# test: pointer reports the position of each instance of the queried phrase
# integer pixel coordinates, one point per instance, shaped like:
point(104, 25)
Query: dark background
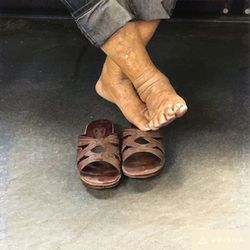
point(184, 8)
point(48, 72)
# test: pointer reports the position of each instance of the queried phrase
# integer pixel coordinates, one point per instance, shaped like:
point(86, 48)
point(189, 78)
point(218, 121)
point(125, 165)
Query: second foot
point(121, 92)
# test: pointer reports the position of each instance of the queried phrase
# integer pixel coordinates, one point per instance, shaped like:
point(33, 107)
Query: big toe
point(180, 109)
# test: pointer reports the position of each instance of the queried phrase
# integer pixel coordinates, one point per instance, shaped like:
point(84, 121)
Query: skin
point(114, 86)
point(131, 80)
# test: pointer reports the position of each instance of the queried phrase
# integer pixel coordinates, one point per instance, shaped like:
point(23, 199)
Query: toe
point(146, 114)
point(168, 121)
point(156, 121)
point(162, 119)
point(181, 111)
point(177, 106)
point(180, 107)
point(154, 124)
point(169, 113)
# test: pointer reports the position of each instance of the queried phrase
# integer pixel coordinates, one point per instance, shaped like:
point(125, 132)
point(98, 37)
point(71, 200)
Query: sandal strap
point(91, 150)
point(152, 143)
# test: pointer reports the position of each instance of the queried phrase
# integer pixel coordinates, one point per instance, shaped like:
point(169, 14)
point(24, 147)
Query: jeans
point(99, 19)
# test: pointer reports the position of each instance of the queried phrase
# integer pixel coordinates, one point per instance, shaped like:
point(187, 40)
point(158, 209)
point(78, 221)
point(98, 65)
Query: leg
point(114, 86)
point(126, 49)
point(99, 19)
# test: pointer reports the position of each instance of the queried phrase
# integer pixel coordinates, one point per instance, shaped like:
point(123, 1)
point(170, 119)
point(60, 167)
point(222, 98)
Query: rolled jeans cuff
point(169, 6)
point(102, 20)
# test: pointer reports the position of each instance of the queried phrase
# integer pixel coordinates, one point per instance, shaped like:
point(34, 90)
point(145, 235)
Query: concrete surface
point(47, 77)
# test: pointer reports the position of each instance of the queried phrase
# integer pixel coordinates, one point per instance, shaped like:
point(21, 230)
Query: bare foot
point(163, 104)
point(115, 87)
point(127, 50)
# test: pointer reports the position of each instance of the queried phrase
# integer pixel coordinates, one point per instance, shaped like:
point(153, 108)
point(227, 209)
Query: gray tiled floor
point(47, 76)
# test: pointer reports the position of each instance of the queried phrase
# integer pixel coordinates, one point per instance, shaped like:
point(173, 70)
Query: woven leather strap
point(88, 147)
point(152, 143)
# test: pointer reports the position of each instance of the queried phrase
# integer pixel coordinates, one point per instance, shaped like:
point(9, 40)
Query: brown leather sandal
point(98, 155)
point(142, 153)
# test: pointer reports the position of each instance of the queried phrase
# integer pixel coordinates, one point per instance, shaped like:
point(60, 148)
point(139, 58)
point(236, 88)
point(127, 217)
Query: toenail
point(170, 115)
point(179, 105)
point(183, 108)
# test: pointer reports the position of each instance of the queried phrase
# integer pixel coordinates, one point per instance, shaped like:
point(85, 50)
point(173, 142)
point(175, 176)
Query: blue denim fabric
point(99, 19)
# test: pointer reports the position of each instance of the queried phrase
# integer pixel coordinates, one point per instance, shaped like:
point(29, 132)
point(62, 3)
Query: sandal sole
point(143, 176)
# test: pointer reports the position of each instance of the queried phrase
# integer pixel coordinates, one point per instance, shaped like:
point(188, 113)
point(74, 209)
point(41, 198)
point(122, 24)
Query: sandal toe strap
point(91, 150)
point(137, 141)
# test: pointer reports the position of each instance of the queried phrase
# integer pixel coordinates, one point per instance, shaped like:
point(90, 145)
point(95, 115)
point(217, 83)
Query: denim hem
point(98, 20)
point(102, 21)
point(85, 8)
point(169, 6)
